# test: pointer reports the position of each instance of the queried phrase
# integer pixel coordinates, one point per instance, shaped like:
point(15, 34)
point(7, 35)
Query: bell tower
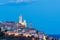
point(22, 22)
point(20, 19)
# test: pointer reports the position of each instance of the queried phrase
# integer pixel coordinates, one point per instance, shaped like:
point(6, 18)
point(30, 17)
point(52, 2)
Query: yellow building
point(44, 37)
point(22, 22)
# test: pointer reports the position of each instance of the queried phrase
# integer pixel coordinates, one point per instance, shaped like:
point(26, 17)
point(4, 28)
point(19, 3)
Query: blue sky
point(44, 14)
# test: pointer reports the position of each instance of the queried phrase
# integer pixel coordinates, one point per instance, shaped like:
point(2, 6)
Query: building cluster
point(20, 29)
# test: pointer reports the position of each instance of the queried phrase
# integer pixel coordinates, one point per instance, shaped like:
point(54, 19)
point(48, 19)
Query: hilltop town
point(10, 30)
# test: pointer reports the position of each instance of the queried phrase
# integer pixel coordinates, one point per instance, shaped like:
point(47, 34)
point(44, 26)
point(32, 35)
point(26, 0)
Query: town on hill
point(10, 30)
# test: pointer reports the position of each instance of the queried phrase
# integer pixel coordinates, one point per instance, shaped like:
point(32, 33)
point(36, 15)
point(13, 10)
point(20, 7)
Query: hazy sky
point(44, 14)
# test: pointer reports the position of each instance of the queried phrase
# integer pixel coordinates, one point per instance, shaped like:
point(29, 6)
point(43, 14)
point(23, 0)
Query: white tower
point(20, 19)
point(44, 37)
point(25, 22)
